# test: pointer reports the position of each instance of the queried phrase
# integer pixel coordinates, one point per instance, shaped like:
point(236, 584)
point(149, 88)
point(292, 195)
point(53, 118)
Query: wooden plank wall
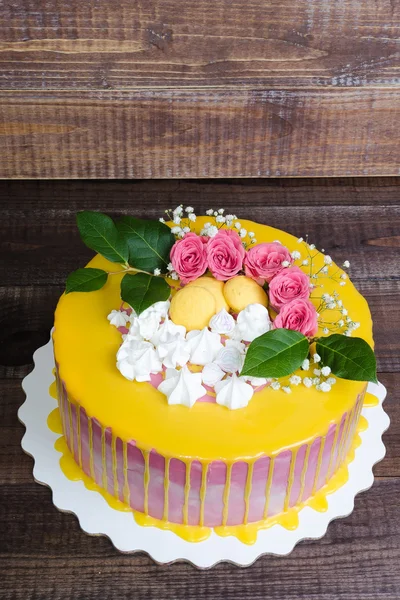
point(165, 88)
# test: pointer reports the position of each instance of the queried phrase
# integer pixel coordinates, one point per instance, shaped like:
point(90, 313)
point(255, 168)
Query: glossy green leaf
point(98, 232)
point(276, 353)
point(149, 243)
point(86, 280)
point(348, 357)
point(141, 290)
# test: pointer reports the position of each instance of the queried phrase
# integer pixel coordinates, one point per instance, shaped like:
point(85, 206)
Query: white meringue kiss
point(252, 322)
point(230, 359)
point(173, 351)
point(211, 374)
point(165, 330)
point(137, 359)
point(203, 346)
point(233, 392)
point(182, 387)
point(222, 323)
point(118, 318)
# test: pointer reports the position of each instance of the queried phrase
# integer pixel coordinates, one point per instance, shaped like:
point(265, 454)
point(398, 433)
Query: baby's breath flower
point(327, 259)
point(181, 234)
point(285, 263)
point(243, 233)
point(316, 358)
point(215, 213)
point(347, 333)
point(324, 270)
point(275, 385)
point(342, 283)
point(312, 246)
point(170, 267)
point(305, 365)
point(230, 217)
point(177, 220)
point(295, 380)
point(176, 230)
point(300, 240)
point(346, 264)
point(343, 276)
point(341, 323)
point(186, 229)
point(317, 372)
point(220, 219)
point(316, 380)
point(296, 255)
point(189, 209)
point(221, 211)
point(251, 234)
point(238, 225)
point(331, 381)
point(325, 387)
point(192, 217)
point(157, 272)
point(305, 262)
point(286, 389)
point(161, 220)
point(340, 303)
point(254, 241)
point(209, 212)
point(174, 275)
point(344, 311)
point(326, 371)
point(307, 381)
point(325, 330)
point(212, 230)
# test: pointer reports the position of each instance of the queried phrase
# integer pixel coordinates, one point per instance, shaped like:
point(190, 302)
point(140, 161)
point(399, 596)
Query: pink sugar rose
point(264, 261)
point(225, 254)
point(290, 284)
point(189, 257)
point(298, 315)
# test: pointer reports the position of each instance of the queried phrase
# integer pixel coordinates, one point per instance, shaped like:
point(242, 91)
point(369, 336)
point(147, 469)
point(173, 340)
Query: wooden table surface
point(43, 552)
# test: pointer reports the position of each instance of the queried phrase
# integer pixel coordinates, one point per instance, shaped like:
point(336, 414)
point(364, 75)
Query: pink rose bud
point(298, 315)
point(264, 261)
point(189, 257)
point(290, 284)
point(225, 254)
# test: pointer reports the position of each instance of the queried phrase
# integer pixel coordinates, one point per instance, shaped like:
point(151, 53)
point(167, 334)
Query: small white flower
point(325, 387)
point(316, 358)
point(215, 213)
point(325, 330)
point(327, 298)
point(161, 220)
point(305, 364)
point(347, 332)
point(286, 389)
point(209, 212)
point(174, 275)
point(275, 385)
point(221, 211)
point(307, 382)
point(181, 234)
point(212, 231)
point(331, 381)
point(254, 241)
point(230, 217)
point(342, 283)
point(296, 255)
point(344, 311)
point(346, 264)
point(300, 240)
point(189, 209)
point(331, 305)
point(186, 229)
point(305, 262)
point(343, 276)
point(326, 371)
point(157, 272)
point(295, 380)
point(356, 325)
point(243, 233)
point(327, 259)
point(176, 230)
point(316, 381)
point(251, 234)
point(324, 270)
point(177, 220)
point(192, 217)
point(178, 210)
point(220, 219)
point(340, 303)
point(238, 225)
point(285, 263)
point(317, 372)
point(170, 267)
point(341, 323)
point(312, 246)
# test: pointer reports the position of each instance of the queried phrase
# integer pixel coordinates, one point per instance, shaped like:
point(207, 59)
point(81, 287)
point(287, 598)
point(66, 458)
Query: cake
point(210, 372)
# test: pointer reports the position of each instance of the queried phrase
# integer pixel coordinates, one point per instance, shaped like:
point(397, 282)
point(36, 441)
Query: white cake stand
point(97, 517)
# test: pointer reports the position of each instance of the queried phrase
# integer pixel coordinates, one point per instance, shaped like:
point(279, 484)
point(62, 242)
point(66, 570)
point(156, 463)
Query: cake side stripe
point(333, 450)
point(304, 473)
point(126, 490)
point(91, 457)
point(319, 464)
point(203, 491)
point(290, 479)
point(227, 489)
point(146, 481)
point(166, 489)
point(268, 485)
point(78, 416)
point(247, 491)
point(188, 466)
point(104, 473)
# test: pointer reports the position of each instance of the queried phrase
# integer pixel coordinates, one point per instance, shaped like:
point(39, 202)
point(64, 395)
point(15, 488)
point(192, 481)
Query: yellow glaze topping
point(241, 291)
point(86, 346)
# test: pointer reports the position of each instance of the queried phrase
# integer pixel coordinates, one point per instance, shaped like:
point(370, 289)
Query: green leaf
point(349, 358)
point(276, 353)
point(149, 243)
point(98, 231)
point(142, 290)
point(86, 280)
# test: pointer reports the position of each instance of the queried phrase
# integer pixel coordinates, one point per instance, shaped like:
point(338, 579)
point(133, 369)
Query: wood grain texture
point(44, 555)
point(164, 43)
point(202, 133)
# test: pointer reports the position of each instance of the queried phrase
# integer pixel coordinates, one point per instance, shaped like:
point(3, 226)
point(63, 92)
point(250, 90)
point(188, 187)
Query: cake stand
point(96, 517)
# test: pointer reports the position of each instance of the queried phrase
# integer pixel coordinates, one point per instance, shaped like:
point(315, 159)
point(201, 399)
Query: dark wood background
point(44, 555)
point(198, 88)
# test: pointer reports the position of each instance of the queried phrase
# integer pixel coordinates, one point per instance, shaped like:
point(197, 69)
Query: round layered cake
point(155, 410)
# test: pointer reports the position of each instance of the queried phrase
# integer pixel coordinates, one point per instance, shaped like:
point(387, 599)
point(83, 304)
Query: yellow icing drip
point(290, 480)
point(187, 490)
point(78, 416)
point(203, 490)
point(114, 465)
point(85, 350)
point(53, 390)
point(146, 480)
point(269, 485)
point(362, 423)
point(227, 488)
point(247, 491)
point(370, 400)
point(54, 421)
point(319, 463)
point(126, 491)
point(104, 459)
point(71, 431)
point(166, 489)
point(91, 463)
point(332, 454)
